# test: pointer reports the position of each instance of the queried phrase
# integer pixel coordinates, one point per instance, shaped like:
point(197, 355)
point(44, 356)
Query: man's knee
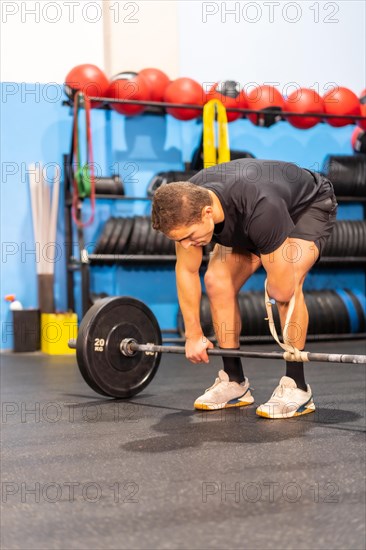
point(280, 293)
point(217, 285)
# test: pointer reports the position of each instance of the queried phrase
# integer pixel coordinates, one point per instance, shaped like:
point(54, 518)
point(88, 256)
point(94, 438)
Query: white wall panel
point(310, 42)
point(41, 41)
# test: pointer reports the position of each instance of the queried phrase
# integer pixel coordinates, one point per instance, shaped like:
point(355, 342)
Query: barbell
point(119, 347)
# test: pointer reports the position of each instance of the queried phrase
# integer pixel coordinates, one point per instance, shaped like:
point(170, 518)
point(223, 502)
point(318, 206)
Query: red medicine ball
point(158, 82)
point(130, 86)
point(304, 101)
point(228, 92)
point(362, 123)
point(88, 79)
point(185, 91)
point(265, 98)
point(341, 101)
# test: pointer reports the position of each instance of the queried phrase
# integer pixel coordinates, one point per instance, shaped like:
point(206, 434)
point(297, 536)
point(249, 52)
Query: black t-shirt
point(262, 200)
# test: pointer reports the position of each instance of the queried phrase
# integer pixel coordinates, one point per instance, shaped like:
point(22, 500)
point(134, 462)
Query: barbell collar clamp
point(127, 347)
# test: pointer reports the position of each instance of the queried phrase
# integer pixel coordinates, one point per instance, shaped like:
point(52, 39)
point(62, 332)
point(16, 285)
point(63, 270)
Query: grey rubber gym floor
point(84, 472)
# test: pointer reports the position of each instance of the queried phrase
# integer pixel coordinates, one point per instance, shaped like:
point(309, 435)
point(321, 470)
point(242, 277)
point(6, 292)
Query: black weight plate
point(122, 245)
point(337, 241)
point(104, 237)
point(164, 245)
point(320, 317)
point(362, 238)
point(344, 239)
point(262, 313)
point(343, 325)
point(327, 320)
point(155, 242)
point(324, 315)
point(107, 249)
point(358, 301)
point(144, 233)
point(206, 317)
point(350, 244)
point(135, 236)
point(331, 243)
point(359, 237)
point(115, 235)
point(108, 234)
point(257, 311)
point(101, 363)
point(155, 183)
point(246, 321)
point(338, 251)
point(159, 242)
point(164, 250)
point(149, 248)
point(241, 310)
point(331, 314)
point(254, 321)
point(314, 326)
point(352, 240)
point(356, 241)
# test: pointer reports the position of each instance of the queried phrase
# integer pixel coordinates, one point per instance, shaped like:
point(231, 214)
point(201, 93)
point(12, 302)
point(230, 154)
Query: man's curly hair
point(177, 204)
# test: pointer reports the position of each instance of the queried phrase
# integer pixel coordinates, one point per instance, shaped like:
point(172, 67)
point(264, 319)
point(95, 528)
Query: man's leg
point(227, 272)
point(301, 255)
point(286, 270)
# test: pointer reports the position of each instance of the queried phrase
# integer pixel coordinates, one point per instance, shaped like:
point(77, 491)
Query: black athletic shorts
point(317, 222)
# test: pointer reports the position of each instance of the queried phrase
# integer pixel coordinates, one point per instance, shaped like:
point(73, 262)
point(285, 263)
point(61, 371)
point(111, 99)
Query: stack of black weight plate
point(347, 174)
point(330, 312)
point(114, 237)
point(348, 238)
point(133, 237)
point(136, 237)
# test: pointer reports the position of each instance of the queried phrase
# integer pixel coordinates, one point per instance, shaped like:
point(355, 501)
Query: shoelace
point(281, 391)
point(217, 381)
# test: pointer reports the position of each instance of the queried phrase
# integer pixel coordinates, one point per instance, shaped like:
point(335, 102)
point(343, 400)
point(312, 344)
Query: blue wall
point(37, 128)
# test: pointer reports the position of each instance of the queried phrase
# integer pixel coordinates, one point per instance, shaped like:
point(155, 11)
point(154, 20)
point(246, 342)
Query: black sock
point(233, 368)
point(295, 370)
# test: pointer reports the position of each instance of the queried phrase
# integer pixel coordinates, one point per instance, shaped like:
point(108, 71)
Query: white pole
point(34, 205)
point(54, 212)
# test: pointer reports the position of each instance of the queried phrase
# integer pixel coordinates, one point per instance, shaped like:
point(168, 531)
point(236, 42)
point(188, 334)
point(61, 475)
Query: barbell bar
point(130, 346)
point(114, 362)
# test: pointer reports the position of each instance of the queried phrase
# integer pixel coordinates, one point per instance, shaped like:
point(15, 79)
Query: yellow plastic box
point(56, 330)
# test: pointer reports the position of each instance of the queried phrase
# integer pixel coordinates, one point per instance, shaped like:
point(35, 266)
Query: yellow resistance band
point(212, 111)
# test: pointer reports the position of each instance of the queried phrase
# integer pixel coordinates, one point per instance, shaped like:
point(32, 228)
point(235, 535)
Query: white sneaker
point(287, 401)
point(224, 394)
